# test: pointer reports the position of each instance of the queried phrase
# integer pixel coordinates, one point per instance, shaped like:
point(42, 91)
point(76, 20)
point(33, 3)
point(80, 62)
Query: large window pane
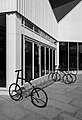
point(50, 59)
point(53, 60)
point(47, 60)
point(63, 55)
point(80, 56)
point(36, 61)
point(28, 61)
point(42, 61)
point(72, 56)
point(2, 50)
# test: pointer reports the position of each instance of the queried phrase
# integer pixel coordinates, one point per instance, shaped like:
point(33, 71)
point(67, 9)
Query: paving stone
point(79, 98)
point(57, 86)
point(71, 94)
point(64, 116)
point(63, 106)
point(4, 117)
point(49, 112)
point(12, 110)
point(79, 114)
point(34, 116)
point(62, 98)
point(76, 103)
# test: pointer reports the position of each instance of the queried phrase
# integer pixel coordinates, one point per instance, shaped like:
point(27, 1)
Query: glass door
point(28, 61)
point(2, 50)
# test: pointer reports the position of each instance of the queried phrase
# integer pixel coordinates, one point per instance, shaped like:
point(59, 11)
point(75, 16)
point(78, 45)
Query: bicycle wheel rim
point(15, 94)
point(74, 77)
point(66, 79)
point(58, 76)
point(39, 97)
point(54, 77)
point(50, 76)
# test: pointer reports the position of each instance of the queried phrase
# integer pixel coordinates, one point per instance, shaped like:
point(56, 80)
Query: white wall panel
point(40, 13)
point(8, 5)
point(37, 11)
point(70, 27)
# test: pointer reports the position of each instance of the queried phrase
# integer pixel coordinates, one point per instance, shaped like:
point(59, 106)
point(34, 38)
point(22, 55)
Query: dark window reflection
point(42, 61)
point(47, 60)
point(2, 50)
point(53, 60)
point(36, 61)
point(63, 55)
point(50, 59)
point(72, 56)
point(80, 56)
point(28, 61)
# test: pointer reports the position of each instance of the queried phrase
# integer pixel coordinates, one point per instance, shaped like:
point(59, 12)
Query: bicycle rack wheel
point(67, 79)
point(15, 92)
point(74, 77)
point(50, 76)
point(39, 97)
point(54, 77)
point(58, 76)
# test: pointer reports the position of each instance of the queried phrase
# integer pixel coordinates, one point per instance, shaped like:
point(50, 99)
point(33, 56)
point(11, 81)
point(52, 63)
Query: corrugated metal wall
point(8, 5)
point(38, 11)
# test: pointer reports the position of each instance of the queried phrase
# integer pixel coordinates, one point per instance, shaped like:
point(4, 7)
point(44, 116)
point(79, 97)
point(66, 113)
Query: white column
point(49, 60)
point(52, 60)
point(10, 49)
point(39, 61)
point(68, 56)
point(45, 61)
point(77, 56)
point(57, 55)
point(33, 60)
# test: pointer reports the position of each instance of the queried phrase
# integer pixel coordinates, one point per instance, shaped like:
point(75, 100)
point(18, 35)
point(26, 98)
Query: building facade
point(28, 36)
point(70, 37)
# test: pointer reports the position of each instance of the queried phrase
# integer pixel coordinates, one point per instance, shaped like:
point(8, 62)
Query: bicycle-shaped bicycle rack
point(38, 96)
point(63, 76)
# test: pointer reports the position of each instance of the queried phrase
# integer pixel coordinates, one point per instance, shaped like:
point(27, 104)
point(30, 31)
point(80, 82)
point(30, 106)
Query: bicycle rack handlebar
point(18, 70)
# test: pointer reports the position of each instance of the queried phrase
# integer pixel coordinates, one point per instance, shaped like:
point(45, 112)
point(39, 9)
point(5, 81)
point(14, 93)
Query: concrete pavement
point(65, 103)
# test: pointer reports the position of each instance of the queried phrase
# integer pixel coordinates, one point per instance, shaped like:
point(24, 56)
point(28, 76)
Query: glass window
point(47, 60)
point(63, 55)
point(50, 59)
point(2, 50)
point(28, 61)
point(28, 24)
point(80, 56)
point(36, 61)
point(42, 61)
point(53, 60)
point(72, 56)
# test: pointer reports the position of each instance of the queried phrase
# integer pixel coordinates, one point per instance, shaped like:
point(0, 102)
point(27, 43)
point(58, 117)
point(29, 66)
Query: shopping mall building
point(34, 38)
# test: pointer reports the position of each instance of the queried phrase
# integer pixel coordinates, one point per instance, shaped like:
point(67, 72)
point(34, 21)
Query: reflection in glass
point(63, 55)
point(72, 56)
point(28, 61)
point(53, 60)
point(3, 50)
point(80, 56)
point(50, 59)
point(47, 60)
point(36, 61)
point(42, 61)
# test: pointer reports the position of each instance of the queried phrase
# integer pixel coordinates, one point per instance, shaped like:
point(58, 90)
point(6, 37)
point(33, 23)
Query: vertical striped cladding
point(8, 5)
point(37, 11)
point(40, 13)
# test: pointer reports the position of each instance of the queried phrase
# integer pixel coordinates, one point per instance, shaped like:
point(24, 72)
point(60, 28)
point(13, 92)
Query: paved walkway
point(65, 103)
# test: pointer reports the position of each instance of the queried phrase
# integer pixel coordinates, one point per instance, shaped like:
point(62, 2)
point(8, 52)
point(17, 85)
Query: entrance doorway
point(28, 61)
point(2, 50)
